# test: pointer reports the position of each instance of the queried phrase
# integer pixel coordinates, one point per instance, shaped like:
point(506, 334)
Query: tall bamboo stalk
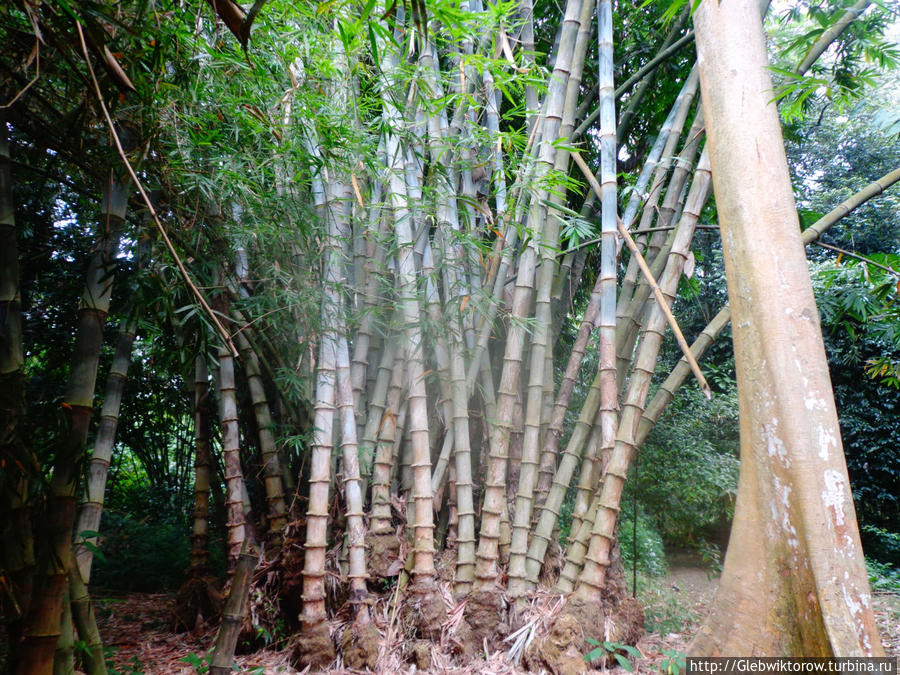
point(231, 448)
point(91, 509)
point(17, 541)
point(202, 467)
point(540, 380)
point(423, 546)
point(43, 624)
point(603, 531)
point(487, 570)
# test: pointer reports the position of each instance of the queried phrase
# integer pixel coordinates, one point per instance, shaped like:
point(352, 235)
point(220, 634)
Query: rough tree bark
point(794, 580)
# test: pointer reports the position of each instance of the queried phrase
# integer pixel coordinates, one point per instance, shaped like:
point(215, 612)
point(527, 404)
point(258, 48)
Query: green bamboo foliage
point(91, 509)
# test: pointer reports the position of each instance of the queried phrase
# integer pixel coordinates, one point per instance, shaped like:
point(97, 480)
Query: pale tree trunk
point(794, 508)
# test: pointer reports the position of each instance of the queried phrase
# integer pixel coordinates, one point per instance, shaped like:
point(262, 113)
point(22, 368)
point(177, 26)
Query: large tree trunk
point(794, 581)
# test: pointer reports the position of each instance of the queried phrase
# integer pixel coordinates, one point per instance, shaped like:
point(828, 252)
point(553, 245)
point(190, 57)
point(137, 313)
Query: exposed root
point(359, 645)
point(425, 610)
point(197, 601)
point(486, 621)
point(562, 650)
point(312, 647)
point(384, 555)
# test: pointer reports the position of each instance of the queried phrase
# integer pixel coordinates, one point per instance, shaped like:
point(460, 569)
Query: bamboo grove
point(383, 237)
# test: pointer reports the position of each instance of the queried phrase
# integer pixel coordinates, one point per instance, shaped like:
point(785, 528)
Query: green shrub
point(651, 558)
point(144, 540)
point(883, 577)
point(686, 473)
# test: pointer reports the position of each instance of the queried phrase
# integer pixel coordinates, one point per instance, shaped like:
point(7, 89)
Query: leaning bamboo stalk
point(686, 96)
point(831, 34)
point(652, 284)
point(537, 380)
point(487, 569)
point(670, 319)
point(17, 546)
point(597, 560)
point(708, 335)
point(276, 508)
point(85, 622)
point(377, 404)
point(667, 50)
point(630, 318)
point(551, 441)
point(221, 661)
point(385, 432)
point(586, 486)
point(91, 508)
point(43, 625)
point(202, 468)
point(637, 389)
point(562, 477)
point(374, 260)
point(231, 453)
point(635, 100)
point(639, 195)
point(423, 546)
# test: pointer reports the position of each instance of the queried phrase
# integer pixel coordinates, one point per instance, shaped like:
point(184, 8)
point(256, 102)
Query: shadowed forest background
point(320, 335)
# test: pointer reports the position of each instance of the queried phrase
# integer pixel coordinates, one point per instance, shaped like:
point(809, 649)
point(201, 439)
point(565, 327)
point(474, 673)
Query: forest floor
point(139, 639)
